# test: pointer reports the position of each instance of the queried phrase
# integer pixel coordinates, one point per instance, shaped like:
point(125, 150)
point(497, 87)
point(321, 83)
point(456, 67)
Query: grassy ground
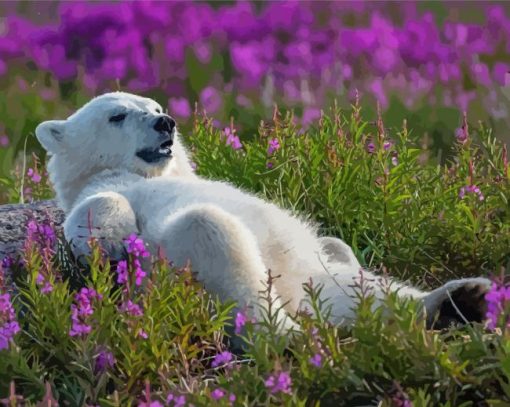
point(164, 340)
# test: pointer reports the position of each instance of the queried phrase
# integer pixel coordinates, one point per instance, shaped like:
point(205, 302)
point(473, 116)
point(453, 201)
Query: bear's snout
point(164, 124)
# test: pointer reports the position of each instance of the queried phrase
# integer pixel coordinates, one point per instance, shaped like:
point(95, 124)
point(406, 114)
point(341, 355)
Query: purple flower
point(316, 360)
point(8, 324)
point(136, 246)
point(471, 189)
point(240, 322)
point(461, 135)
point(131, 308)
point(279, 382)
point(394, 160)
point(82, 310)
point(210, 99)
point(151, 404)
point(4, 141)
point(387, 145)
point(47, 288)
point(273, 146)
point(217, 394)
point(34, 175)
point(221, 359)
point(232, 140)
point(371, 148)
point(179, 401)
point(180, 107)
point(497, 299)
point(40, 233)
point(122, 272)
point(7, 262)
point(269, 165)
point(104, 361)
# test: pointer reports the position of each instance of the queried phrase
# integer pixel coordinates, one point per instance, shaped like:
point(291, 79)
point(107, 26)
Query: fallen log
point(14, 219)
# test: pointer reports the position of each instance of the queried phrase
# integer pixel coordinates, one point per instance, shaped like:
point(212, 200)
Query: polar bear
point(118, 167)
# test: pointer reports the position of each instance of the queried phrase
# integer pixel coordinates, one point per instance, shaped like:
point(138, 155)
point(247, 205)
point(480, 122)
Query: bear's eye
point(158, 110)
point(118, 117)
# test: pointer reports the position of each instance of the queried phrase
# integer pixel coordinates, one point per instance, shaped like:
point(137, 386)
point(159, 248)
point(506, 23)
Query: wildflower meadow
point(384, 123)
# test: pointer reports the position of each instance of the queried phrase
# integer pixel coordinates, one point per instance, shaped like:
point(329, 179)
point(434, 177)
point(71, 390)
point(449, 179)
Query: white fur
point(230, 236)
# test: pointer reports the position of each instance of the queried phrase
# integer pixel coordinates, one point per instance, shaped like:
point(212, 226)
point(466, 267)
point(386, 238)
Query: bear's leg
point(222, 251)
point(458, 301)
point(106, 216)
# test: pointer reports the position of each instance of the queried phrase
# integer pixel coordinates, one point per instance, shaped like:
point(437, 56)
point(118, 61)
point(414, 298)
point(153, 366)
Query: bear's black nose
point(164, 123)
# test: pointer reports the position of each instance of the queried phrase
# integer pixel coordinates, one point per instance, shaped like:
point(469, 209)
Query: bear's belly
point(155, 199)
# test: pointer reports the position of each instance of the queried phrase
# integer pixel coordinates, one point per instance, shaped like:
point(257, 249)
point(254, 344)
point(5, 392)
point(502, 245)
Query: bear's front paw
point(115, 250)
point(459, 303)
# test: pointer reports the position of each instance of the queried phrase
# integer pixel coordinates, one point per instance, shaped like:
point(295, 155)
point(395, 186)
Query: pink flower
point(180, 107)
point(221, 359)
point(497, 298)
point(82, 310)
point(273, 146)
point(240, 322)
point(4, 141)
point(473, 189)
point(151, 404)
point(279, 382)
point(34, 175)
point(8, 324)
point(316, 360)
point(371, 148)
point(131, 308)
point(179, 401)
point(217, 394)
point(104, 361)
point(136, 246)
point(461, 135)
point(122, 272)
point(232, 140)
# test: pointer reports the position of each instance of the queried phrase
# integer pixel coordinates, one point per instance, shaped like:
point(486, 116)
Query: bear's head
point(113, 132)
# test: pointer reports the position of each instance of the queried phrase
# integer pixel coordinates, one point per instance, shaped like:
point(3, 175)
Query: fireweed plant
point(141, 332)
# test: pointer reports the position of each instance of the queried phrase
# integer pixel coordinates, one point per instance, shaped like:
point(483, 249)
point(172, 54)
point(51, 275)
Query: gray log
point(14, 219)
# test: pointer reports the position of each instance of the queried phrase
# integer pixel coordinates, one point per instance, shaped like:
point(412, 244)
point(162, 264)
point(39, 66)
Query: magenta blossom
point(371, 148)
point(136, 246)
point(497, 298)
point(178, 401)
point(316, 360)
point(8, 324)
point(274, 145)
point(82, 310)
point(221, 359)
point(104, 361)
point(241, 320)
point(217, 394)
point(151, 404)
point(232, 140)
point(471, 189)
point(279, 382)
point(461, 135)
point(34, 176)
point(122, 272)
point(131, 308)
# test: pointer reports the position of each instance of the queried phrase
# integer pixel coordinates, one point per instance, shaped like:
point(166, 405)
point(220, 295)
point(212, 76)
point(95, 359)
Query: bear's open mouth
point(152, 155)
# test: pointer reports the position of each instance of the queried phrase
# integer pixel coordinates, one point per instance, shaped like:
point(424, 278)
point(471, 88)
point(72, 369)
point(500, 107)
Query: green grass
point(404, 216)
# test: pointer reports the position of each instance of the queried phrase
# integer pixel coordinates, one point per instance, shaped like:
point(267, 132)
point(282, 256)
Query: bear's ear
point(51, 135)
